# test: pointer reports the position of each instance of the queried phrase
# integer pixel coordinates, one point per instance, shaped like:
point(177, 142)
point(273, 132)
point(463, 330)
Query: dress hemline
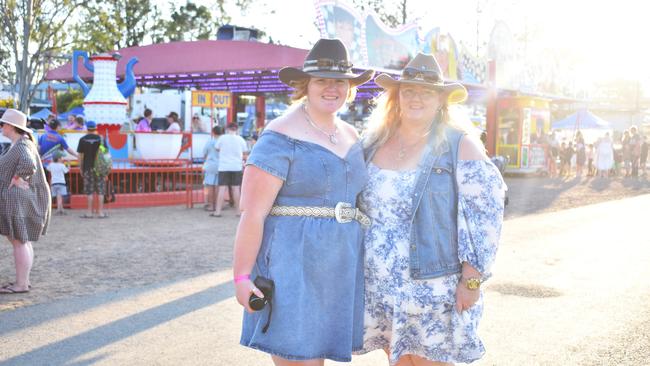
point(286, 356)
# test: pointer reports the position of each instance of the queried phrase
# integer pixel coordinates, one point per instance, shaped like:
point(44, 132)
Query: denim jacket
point(434, 231)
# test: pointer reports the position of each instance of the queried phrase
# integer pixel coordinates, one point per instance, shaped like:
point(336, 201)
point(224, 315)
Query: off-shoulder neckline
point(344, 157)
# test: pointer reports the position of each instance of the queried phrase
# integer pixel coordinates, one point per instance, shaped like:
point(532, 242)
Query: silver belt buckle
point(341, 216)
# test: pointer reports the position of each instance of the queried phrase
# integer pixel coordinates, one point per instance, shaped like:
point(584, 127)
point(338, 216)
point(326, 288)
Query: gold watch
point(472, 283)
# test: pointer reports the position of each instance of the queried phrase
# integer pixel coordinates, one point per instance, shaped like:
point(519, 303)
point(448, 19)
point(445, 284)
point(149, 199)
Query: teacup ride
point(157, 148)
point(72, 139)
point(199, 139)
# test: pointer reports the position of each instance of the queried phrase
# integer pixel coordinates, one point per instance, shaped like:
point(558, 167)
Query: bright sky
point(607, 38)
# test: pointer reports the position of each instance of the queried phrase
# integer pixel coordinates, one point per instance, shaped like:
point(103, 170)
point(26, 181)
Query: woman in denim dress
point(305, 163)
point(436, 205)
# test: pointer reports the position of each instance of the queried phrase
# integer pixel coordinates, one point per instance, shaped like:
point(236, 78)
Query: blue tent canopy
point(43, 113)
point(581, 120)
point(77, 111)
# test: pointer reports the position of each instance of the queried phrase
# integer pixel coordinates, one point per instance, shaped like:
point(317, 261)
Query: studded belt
point(343, 212)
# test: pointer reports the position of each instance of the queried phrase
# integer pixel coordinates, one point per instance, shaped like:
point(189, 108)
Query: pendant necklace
point(401, 154)
point(332, 136)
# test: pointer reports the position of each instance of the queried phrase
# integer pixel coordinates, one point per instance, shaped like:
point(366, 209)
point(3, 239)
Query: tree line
point(40, 34)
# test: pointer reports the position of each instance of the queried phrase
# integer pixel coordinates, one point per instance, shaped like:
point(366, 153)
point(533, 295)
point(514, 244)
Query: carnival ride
point(159, 167)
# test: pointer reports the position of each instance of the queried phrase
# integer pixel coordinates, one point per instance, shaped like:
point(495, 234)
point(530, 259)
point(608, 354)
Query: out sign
point(221, 99)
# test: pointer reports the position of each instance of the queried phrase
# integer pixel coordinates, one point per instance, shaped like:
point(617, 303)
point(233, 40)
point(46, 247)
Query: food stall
point(521, 122)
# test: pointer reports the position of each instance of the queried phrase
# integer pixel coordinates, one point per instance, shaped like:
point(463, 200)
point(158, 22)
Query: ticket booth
point(521, 123)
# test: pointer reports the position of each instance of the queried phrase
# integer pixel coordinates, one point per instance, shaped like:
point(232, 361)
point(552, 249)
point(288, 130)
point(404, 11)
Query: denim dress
point(316, 263)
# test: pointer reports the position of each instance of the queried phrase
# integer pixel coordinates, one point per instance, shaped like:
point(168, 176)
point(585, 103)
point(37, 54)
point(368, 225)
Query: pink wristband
point(242, 277)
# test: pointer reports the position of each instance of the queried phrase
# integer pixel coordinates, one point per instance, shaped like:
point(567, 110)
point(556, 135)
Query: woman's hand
point(243, 291)
point(465, 298)
point(19, 183)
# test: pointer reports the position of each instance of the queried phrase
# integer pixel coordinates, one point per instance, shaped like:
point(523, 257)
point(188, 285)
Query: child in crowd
point(591, 155)
point(57, 182)
point(570, 152)
point(211, 169)
point(566, 152)
point(618, 163)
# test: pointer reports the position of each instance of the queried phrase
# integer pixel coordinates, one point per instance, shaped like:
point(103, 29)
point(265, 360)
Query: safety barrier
point(140, 183)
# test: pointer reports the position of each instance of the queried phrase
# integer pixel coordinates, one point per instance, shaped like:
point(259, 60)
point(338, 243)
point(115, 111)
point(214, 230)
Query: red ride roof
point(206, 64)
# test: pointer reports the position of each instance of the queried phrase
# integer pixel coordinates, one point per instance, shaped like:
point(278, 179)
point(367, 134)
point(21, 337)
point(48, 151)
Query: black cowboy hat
point(327, 59)
point(424, 70)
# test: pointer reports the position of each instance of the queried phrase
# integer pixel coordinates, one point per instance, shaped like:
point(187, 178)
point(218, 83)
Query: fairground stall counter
point(521, 123)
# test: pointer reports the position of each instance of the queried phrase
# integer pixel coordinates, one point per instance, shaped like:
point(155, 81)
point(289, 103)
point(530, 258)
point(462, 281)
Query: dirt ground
point(137, 247)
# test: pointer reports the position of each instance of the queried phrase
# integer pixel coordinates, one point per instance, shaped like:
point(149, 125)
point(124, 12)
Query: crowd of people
point(224, 156)
point(605, 157)
point(144, 124)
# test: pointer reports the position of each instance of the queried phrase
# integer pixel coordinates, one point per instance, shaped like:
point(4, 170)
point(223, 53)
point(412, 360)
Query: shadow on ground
point(67, 350)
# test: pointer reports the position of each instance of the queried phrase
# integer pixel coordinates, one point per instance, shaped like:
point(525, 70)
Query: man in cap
point(88, 149)
point(232, 148)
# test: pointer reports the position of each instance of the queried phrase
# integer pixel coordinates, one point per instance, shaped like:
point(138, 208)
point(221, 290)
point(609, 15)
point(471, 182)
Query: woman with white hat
point(299, 226)
point(436, 205)
point(26, 205)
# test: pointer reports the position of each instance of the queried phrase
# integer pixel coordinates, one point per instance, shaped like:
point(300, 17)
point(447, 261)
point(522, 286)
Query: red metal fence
point(139, 183)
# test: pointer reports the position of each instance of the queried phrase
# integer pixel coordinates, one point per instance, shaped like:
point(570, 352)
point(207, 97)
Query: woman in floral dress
point(436, 204)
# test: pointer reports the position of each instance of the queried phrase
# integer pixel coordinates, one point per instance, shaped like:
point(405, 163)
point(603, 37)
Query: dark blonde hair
point(300, 91)
point(386, 118)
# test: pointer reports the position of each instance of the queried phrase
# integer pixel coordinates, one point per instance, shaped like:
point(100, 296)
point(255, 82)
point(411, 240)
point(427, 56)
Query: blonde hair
point(300, 91)
point(386, 118)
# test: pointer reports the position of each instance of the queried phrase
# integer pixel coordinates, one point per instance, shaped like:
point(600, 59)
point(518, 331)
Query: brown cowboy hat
point(327, 59)
point(424, 70)
point(15, 118)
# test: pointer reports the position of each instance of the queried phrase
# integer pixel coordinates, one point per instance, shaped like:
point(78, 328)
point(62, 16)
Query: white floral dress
point(418, 317)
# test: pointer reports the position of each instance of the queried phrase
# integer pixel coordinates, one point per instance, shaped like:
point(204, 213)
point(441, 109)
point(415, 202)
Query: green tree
point(7, 74)
point(109, 25)
point(69, 99)
point(392, 13)
point(33, 35)
point(190, 22)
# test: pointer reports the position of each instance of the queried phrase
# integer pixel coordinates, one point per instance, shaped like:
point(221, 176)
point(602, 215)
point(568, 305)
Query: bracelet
point(243, 277)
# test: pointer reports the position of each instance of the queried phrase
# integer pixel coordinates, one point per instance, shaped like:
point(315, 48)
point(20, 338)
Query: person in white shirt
point(174, 126)
point(57, 183)
point(232, 149)
point(211, 169)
